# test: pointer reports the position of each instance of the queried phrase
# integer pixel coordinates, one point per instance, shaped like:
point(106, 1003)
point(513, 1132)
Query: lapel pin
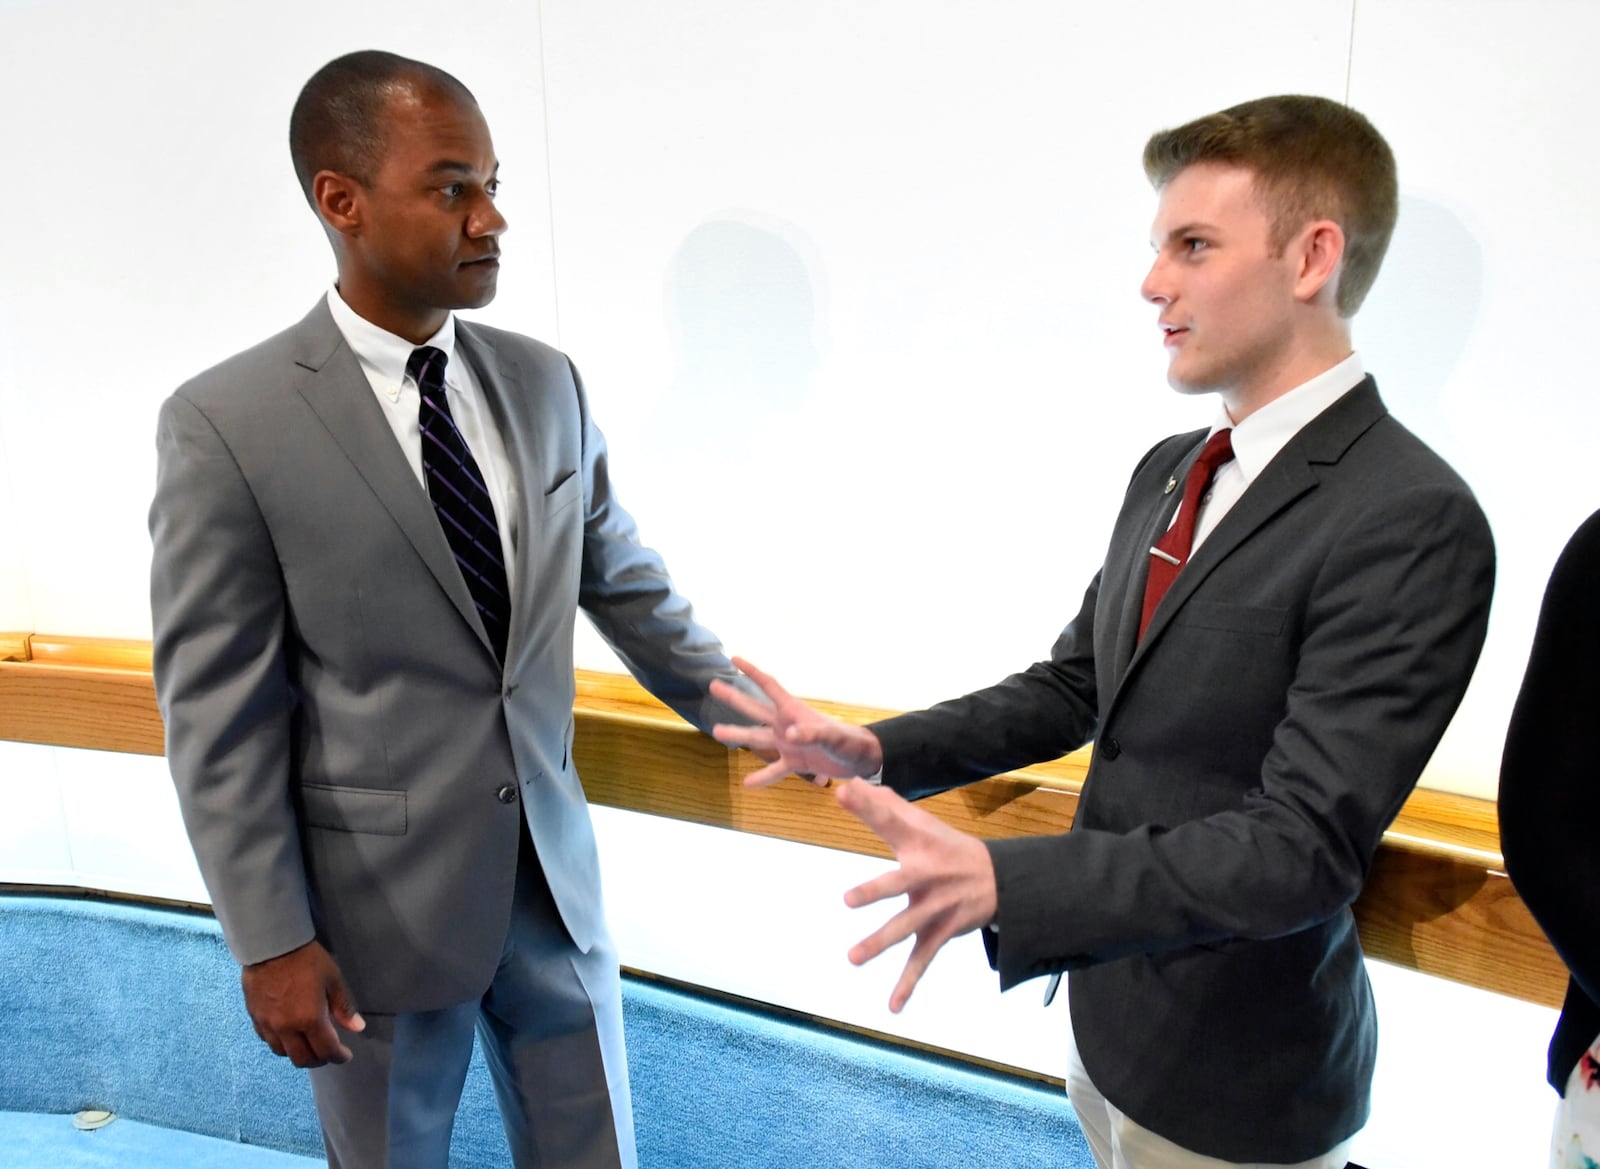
point(1172, 485)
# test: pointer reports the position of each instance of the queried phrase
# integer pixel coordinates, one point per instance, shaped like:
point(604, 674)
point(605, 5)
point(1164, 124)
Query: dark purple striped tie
point(460, 498)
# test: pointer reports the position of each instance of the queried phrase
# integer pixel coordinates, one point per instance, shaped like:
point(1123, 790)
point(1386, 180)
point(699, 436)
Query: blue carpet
point(138, 1011)
point(716, 1085)
point(31, 1141)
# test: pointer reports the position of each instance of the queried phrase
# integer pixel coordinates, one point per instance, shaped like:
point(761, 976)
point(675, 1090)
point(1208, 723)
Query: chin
point(476, 298)
point(1188, 385)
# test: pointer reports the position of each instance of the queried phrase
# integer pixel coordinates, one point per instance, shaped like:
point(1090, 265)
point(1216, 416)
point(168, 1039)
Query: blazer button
point(1110, 749)
point(507, 794)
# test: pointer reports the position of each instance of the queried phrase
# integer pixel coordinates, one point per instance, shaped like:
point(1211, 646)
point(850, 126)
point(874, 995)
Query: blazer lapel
point(335, 387)
point(1134, 568)
point(1285, 479)
point(500, 376)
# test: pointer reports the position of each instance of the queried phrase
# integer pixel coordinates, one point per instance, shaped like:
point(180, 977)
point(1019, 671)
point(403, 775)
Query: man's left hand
point(947, 877)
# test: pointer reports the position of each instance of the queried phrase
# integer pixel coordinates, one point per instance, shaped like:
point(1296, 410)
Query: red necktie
point(1171, 552)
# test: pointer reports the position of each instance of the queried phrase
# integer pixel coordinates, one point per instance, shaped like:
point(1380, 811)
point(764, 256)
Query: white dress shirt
point(383, 358)
point(1258, 439)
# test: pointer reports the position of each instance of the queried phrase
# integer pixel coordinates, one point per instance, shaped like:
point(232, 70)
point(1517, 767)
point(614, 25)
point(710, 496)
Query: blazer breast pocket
point(353, 809)
point(564, 494)
point(1265, 620)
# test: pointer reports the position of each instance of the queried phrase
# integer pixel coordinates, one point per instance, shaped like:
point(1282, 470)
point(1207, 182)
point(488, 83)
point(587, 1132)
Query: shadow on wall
point(1413, 329)
point(741, 303)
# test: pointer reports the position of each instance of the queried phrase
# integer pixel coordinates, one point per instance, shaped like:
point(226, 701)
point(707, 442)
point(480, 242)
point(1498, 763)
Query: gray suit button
point(1110, 749)
point(511, 689)
point(506, 795)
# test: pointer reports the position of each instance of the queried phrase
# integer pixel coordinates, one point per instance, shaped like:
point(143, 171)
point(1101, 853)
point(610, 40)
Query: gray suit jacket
point(351, 761)
point(1249, 753)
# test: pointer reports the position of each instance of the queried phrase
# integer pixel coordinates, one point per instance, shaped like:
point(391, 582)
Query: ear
point(339, 201)
point(1319, 253)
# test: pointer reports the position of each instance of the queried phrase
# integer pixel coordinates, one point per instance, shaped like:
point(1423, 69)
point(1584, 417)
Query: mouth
point(1171, 335)
point(492, 260)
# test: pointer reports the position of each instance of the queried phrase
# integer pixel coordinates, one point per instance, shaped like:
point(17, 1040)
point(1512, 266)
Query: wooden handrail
point(1437, 900)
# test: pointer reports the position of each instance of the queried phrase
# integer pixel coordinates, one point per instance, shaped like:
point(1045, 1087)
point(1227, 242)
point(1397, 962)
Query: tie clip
point(1167, 556)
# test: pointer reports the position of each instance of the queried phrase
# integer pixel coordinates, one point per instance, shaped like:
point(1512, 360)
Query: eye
point(453, 190)
point(493, 187)
point(1193, 244)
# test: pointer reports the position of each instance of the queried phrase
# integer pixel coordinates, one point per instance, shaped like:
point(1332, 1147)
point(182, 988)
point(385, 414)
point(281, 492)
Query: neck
point(1297, 365)
point(415, 325)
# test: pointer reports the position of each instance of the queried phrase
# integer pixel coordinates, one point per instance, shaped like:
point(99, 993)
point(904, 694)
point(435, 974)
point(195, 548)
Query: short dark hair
point(1313, 159)
point(337, 121)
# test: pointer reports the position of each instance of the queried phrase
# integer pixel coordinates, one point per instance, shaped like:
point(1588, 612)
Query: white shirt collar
point(1258, 439)
point(382, 352)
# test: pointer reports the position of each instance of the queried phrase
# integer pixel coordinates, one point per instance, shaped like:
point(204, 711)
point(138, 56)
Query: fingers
point(315, 1047)
point(295, 999)
point(342, 1009)
point(891, 933)
point(930, 940)
point(884, 811)
point(768, 775)
point(269, 1037)
point(297, 1051)
point(768, 684)
point(310, 1047)
point(326, 1045)
point(894, 883)
point(746, 704)
point(921, 954)
point(757, 738)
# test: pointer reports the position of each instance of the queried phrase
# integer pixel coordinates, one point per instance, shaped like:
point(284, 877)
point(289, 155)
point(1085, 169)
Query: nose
point(1156, 288)
point(486, 220)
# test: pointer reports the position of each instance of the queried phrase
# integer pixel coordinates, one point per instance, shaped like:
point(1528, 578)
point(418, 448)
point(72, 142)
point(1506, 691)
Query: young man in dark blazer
point(1287, 615)
point(373, 533)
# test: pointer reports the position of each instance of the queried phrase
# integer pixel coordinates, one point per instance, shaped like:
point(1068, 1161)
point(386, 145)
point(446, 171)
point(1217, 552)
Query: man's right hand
point(294, 1001)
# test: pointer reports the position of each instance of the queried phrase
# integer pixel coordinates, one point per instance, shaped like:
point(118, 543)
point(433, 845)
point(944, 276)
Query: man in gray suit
point(1286, 618)
point(372, 534)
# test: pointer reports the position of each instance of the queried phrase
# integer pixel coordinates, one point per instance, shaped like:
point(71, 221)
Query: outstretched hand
point(793, 736)
point(294, 1002)
point(946, 876)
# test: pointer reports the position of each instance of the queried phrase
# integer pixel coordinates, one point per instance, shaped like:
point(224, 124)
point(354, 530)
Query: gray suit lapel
point(335, 387)
point(501, 378)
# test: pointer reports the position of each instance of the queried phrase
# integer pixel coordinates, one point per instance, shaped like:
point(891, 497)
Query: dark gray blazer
point(351, 761)
point(1249, 754)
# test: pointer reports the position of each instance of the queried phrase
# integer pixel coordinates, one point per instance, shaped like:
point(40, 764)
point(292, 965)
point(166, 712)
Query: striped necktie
point(460, 498)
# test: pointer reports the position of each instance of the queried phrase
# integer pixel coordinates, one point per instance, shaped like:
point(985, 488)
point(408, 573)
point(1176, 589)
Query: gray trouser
point(551, 1028)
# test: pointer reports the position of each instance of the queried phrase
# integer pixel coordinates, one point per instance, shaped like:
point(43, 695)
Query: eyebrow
point(451, 167)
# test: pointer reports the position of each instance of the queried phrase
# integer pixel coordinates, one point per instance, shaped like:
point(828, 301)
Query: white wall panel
point(34, 845)
point(766, 919)
point(1484, 315)
point(16, 607)
point(122, 819)
point(855, 287)
point(159, 229)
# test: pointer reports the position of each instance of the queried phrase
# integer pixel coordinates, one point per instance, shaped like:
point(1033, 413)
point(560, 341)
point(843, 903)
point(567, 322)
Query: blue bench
point(136, 1010)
